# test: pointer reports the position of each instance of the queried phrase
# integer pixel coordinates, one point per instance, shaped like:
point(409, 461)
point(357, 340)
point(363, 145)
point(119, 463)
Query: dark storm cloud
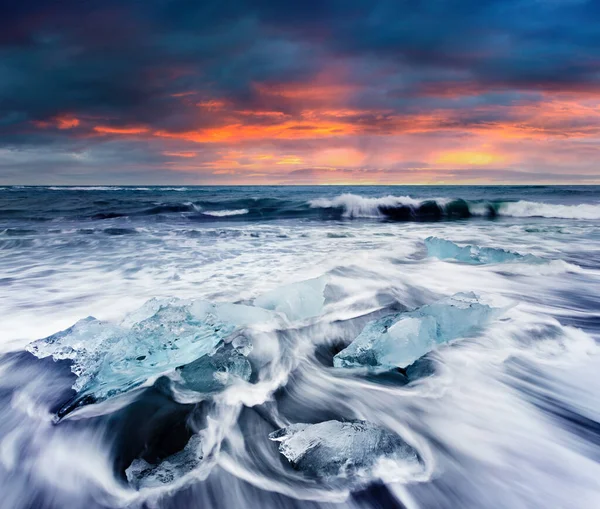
point(125, 58)
point(145, 66)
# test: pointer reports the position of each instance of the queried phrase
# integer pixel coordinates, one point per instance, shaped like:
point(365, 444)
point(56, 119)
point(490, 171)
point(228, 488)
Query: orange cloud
point(320, 136)
point(339, 157)
point(180, 154)
point(60, 122)
point(290, 130)
point(290, 160)
point(307, 91)
point(67, 122)
point(120, 130)
point(212, 105)
point(468, 158)
point(258, 113)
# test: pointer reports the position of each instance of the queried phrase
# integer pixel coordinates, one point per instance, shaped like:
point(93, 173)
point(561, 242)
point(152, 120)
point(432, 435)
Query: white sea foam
point(85, 188)
point(501, 422)
point(539, 209)
point(360, 206)
point(225, 213)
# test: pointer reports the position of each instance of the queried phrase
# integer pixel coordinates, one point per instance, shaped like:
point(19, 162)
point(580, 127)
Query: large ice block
point(109, 359)
point(400, 339)
point(334, 449)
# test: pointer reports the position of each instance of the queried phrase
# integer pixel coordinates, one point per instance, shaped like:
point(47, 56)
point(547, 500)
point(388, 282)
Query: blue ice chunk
point(298, 301)
point(400, 339)
point(214, 372)
point(342, 450)
point(447, 250)
point(110, 359)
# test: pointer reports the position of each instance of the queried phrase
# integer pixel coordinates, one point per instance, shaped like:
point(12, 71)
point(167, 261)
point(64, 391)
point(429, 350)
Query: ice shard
point(298, 301)
point(398, 340)
point(447, 250)
point(342, 450)
point(142, 474)
point(109, 359)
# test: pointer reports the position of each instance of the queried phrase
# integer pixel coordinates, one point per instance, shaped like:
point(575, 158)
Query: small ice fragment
point(142, 474)
point(447, 250)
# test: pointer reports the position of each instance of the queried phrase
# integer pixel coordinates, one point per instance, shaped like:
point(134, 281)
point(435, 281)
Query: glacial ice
point(298, 301)
point(400, 339)
point(342, 450)
point(109, 359)
point(142, 474)
point(447, 250)
point(214, 372)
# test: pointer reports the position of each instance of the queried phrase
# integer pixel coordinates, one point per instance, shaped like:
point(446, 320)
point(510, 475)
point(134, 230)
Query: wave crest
point(355, 205)
point(225, 213)
point(396, 208)
point(539, 209)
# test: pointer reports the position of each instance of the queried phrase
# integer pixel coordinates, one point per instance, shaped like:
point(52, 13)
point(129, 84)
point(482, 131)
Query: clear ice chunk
point(142, 474)
point(297, 301)
point(214, 372)
point(398, 340)
point(447, 250)
point(109, 359)
point(342, 450)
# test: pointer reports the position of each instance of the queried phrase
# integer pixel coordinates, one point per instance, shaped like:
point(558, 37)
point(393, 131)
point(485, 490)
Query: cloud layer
point(346, 91)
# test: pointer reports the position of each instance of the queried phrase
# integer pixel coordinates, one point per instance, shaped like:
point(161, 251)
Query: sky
point(300, 92)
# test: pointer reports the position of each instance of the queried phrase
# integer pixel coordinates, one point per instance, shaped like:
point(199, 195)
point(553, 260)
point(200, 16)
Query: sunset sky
point(311, 92)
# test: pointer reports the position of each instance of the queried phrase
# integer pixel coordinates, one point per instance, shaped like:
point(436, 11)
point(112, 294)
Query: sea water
point(217, 313)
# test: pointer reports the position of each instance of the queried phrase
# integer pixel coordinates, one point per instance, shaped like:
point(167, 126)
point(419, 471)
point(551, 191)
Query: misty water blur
point(506, 416)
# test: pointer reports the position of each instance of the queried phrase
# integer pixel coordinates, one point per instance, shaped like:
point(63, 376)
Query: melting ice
point(297, 301)
point(400, 339)
point(343, 450)
point(212, 373)
point(447, 250)
point(142, 474)
point(109, 359)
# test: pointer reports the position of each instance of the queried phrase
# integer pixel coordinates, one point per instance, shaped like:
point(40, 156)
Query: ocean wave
point(406, 208)
point(355, 205)
point(200, 205)
point(225, 213)
point(84, 188)
point(166, 208)
point(111, 188)
point(539, 209)
point(396, 208)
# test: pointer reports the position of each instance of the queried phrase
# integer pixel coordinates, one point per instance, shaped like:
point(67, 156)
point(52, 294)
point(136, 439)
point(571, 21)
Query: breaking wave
point(225, 213)
point(398, 208)
point(535, 209)
point(407, 208)
point(206, 206)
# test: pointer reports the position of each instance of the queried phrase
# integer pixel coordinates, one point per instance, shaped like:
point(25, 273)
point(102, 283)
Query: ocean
point(303, 347)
